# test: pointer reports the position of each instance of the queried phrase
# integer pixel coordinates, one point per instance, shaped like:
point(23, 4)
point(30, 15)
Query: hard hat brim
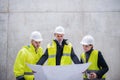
point(83, 43)
point(38, 39)
point(59, 33)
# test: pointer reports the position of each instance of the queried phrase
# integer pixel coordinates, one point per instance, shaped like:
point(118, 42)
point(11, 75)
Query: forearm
point(20, 78)
point(74, 57)
point(102, 65)
point(101, 72)
point(43, 58)
point(19, 64)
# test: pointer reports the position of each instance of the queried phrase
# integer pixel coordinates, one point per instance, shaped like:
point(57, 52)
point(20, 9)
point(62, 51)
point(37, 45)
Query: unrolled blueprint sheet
point(69, 72)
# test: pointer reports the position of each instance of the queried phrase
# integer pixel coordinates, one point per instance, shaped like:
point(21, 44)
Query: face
point(87, 47)
point(36, 44)
point(59, 37)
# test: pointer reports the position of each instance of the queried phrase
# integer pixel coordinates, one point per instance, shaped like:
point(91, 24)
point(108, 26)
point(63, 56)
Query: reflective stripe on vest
point(28, 73)
point(93, 59)
point(65, 59)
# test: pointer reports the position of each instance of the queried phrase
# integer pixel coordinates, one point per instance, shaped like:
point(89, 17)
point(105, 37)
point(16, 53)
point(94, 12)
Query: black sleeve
point(20, 78)
point(74, 57)
point(43, 58)
point(102, 65)
point(81, 61)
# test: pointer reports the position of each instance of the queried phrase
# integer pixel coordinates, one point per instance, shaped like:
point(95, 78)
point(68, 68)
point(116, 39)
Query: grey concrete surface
point(64, 5)
point(100, 18)
point(3, 45)
point(3, 5)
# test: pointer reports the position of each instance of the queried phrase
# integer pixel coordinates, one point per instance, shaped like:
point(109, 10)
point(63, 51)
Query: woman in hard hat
point(28, 54)
point(98, 67)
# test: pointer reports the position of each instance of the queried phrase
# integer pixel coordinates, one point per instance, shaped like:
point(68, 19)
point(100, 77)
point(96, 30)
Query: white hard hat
point(35, 35)
point(87, 40)
point(59, 30)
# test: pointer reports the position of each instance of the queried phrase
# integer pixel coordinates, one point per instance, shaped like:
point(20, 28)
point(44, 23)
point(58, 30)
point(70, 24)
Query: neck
point(90, 50)
point(60, 41)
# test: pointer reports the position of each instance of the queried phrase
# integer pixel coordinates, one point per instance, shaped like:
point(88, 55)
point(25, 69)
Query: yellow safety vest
point(93, 59)
point(26, 55)
point(66, 57)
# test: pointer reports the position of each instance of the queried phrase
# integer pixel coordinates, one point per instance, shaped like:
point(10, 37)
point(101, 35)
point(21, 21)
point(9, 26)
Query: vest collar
point(89, 52)
point(64, 42)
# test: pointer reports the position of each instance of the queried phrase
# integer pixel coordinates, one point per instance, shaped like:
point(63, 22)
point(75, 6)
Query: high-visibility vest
point(52, 52)
point(93, 59)
point(26, 55)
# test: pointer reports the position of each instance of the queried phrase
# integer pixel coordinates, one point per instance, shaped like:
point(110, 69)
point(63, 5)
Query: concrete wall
point(100, 18)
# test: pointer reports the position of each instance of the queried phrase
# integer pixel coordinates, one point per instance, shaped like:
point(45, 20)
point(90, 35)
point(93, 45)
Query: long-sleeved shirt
point(101, 63)
point(59, 54)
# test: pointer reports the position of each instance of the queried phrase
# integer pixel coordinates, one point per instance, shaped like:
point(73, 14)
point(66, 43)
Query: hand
point(34, 71)
point(84, 72)
point(92, 75)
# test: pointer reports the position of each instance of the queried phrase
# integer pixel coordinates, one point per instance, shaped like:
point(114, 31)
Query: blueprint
point(69, 72)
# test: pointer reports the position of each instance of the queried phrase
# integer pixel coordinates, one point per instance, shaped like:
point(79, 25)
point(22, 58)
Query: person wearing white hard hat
point(59, 51)
point(28, 54)
point(98, 67)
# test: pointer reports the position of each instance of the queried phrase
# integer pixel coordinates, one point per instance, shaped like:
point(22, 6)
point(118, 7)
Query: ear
point(54, 34)
point(31, 41)
point(92, 45)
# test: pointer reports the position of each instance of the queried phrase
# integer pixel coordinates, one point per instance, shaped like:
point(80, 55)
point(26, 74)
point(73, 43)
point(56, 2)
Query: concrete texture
point(3, 5)
point(3, 43)
point(100, 18)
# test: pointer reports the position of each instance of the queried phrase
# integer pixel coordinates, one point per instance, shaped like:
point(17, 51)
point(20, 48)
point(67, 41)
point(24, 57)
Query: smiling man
point(28, 54)
point(59, 51)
